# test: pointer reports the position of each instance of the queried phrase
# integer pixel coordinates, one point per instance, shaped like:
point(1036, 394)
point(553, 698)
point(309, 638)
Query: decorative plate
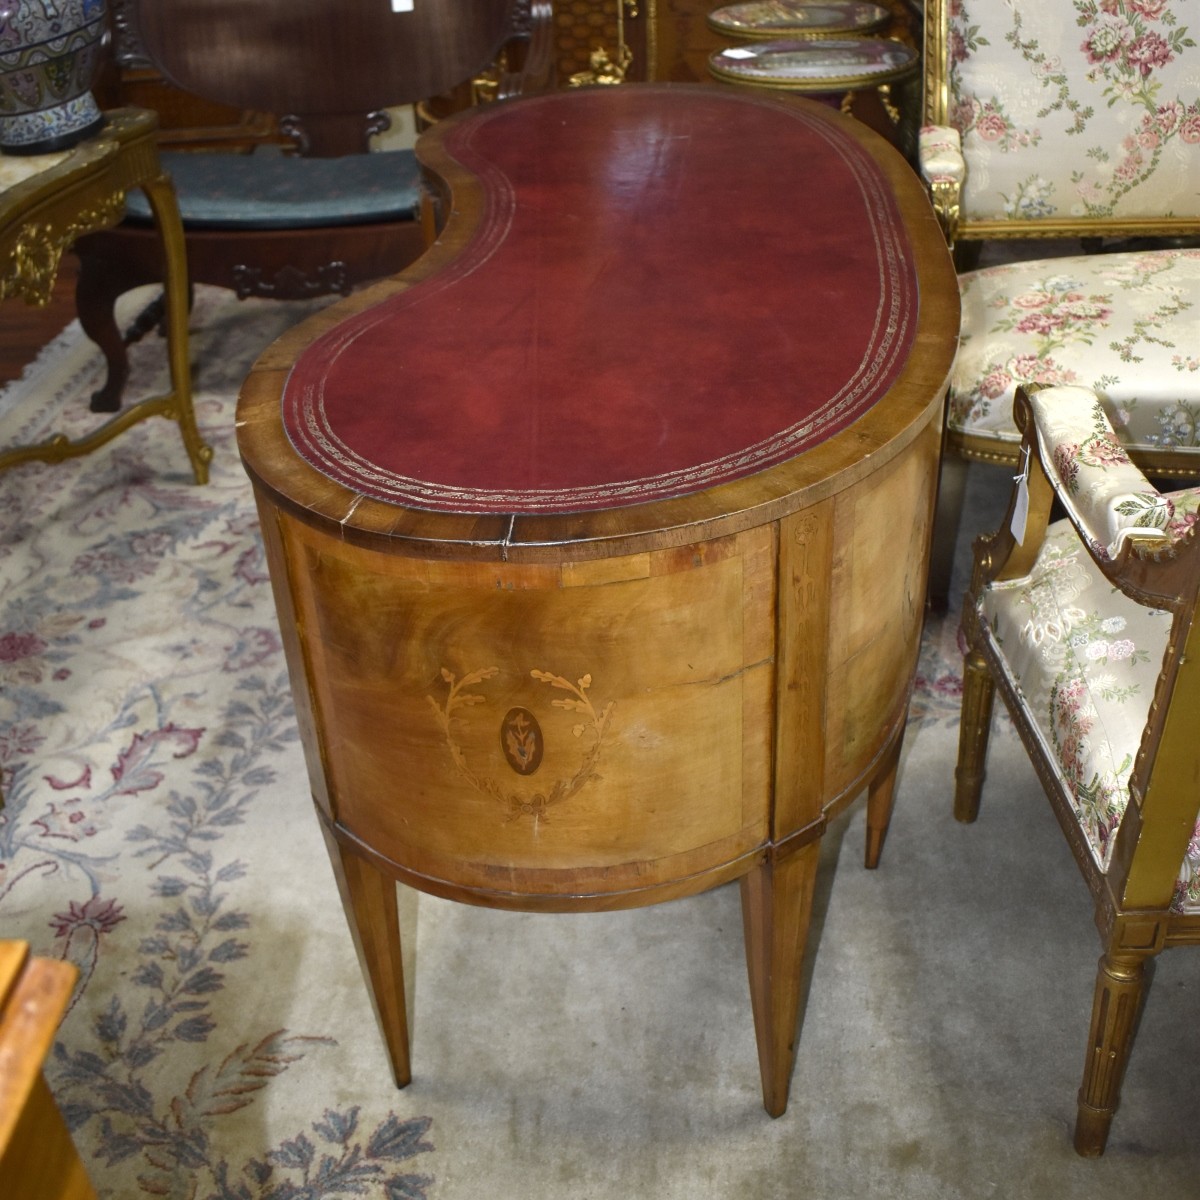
point(798, 18)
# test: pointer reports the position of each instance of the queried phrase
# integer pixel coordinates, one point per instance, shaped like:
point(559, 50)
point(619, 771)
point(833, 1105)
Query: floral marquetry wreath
point(522, 739)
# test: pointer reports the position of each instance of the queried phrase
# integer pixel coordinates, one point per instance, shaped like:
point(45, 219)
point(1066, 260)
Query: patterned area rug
point(149, 761)
point(158, 834)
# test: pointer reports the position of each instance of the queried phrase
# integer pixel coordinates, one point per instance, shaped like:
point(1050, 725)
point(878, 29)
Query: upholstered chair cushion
point(1083, 654)
point(1085, 113)
point(1126, 325)
point(277, 191)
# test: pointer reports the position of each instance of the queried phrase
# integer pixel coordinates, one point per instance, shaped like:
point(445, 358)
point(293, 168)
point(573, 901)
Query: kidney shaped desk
point(599, 535)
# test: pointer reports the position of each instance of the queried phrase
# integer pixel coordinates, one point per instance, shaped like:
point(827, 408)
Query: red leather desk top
point(670, 288)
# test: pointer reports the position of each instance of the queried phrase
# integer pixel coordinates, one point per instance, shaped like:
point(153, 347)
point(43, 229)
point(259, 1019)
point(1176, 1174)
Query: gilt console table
point(79, 192)
point(599, 535)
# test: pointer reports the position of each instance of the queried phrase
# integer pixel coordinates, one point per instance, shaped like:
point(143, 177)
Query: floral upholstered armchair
point(1089, 628)
point(1070, 119)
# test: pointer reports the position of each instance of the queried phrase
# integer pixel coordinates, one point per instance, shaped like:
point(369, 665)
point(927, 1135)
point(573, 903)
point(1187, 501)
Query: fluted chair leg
point(1120, 990)
point(975, 723)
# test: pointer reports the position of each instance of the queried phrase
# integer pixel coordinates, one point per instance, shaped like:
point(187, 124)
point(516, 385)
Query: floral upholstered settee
point(1073, 115)
point(1088, 627)
point(1073, 119)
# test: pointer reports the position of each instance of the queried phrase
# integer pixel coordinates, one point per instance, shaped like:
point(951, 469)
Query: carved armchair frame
point(1133, 897)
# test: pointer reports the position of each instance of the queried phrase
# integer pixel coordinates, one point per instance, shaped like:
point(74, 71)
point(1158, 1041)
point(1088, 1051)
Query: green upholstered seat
point(278, 191)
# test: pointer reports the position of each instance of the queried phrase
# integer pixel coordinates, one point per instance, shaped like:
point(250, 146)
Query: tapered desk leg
point(776, 909)
point(369, 900)
point(165, 208)
point(881, 795)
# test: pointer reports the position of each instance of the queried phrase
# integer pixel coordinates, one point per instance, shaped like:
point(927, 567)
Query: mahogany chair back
point(324, 65)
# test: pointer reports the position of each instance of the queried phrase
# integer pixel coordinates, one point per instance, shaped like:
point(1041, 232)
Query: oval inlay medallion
point(521, 740)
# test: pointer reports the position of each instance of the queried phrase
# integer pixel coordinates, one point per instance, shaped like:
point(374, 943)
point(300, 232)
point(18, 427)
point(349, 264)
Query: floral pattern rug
point(145, 717)
point(157, 830)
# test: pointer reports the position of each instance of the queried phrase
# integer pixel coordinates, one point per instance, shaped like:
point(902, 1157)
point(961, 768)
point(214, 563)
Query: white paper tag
point(1020, 515)
point(402, 5)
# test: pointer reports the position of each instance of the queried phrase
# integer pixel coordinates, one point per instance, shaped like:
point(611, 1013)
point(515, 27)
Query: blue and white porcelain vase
point(49, 53)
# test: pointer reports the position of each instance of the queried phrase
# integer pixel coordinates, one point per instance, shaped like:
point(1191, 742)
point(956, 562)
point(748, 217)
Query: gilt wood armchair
point(1089, 628)
point(331, 215)
point(1075, 119)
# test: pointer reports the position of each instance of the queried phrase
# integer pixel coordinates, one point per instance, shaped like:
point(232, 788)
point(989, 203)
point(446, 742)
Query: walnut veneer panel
point(646, 701)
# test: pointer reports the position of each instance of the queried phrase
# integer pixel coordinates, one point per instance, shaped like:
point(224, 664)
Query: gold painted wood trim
point(936, 56)
point(979, 230)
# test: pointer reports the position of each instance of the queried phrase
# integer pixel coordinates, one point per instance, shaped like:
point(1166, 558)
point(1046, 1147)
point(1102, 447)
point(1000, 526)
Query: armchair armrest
point(1145, 542)
point(943, 168)
point(1106, 497)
